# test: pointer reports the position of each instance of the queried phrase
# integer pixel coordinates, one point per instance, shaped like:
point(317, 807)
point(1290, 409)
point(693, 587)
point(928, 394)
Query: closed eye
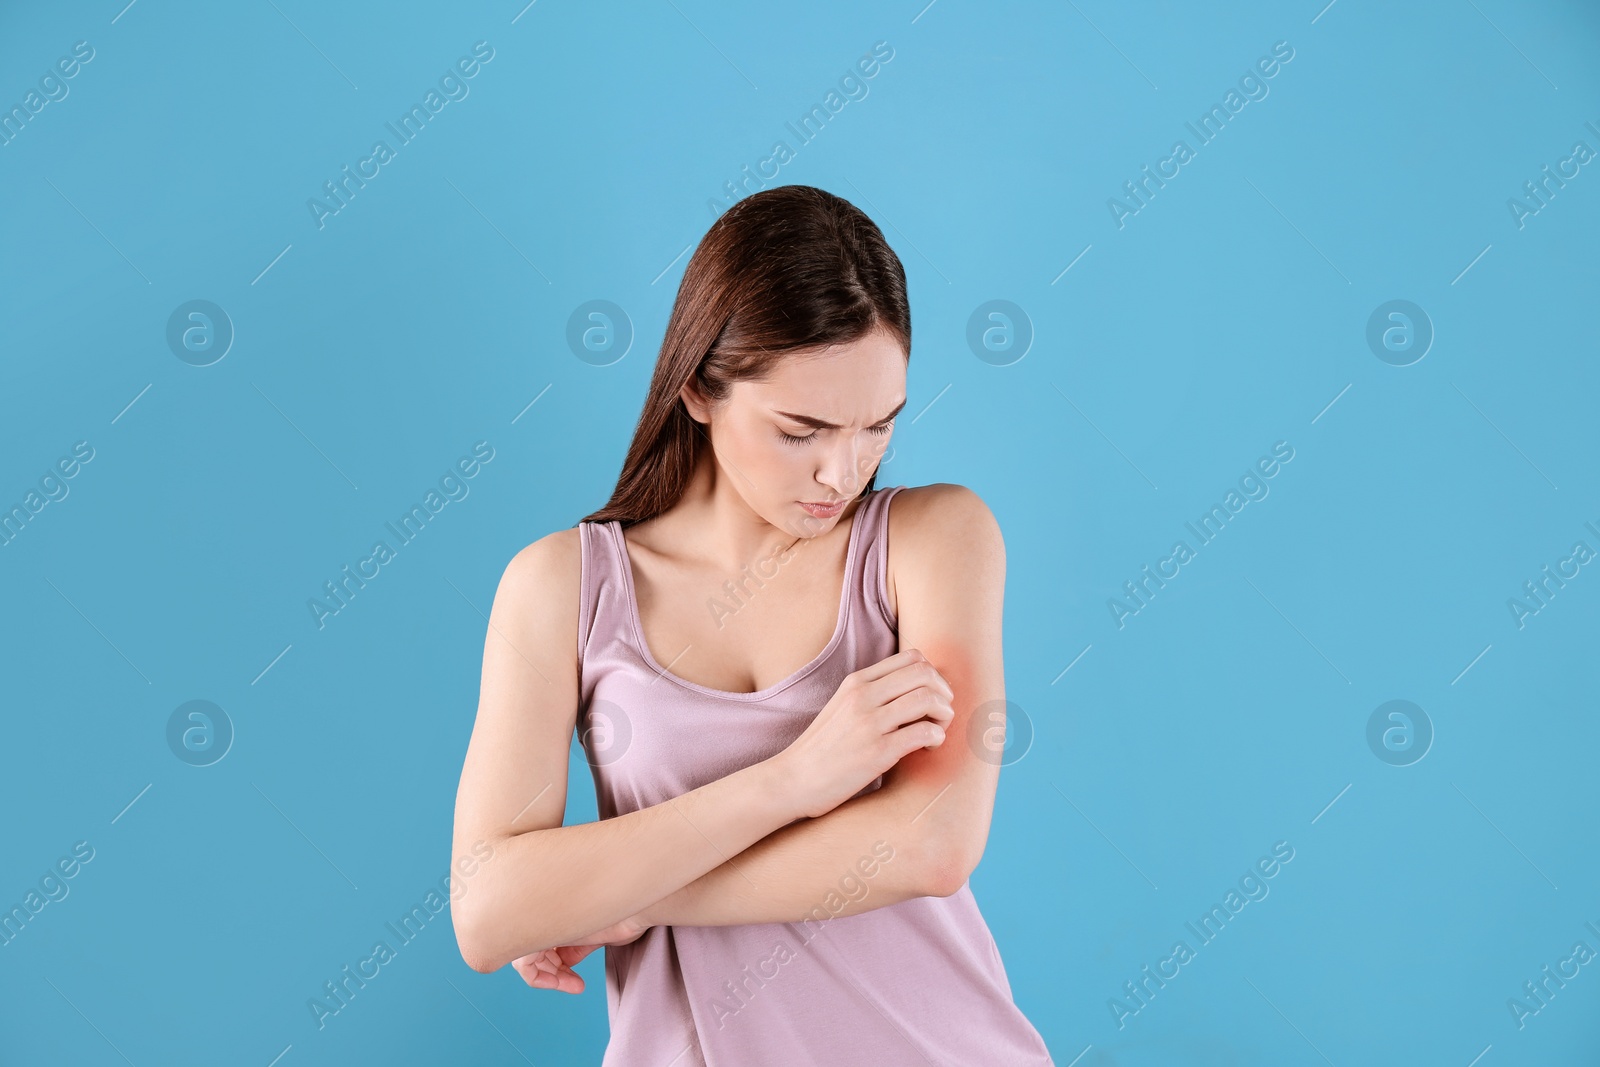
point(793, 440)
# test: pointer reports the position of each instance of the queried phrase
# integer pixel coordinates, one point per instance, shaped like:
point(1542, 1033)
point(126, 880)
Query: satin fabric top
point(915, 983)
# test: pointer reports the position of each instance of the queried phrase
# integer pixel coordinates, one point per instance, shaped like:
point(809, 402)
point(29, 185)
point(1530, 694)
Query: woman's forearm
point(936, 803)
point(868, 853)
point(550, 887)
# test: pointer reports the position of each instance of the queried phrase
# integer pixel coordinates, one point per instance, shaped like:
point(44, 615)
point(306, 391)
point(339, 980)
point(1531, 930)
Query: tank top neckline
point(841, 624)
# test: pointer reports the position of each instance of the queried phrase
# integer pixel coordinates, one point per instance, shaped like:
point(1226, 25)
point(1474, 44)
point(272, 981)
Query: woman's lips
point(821, 511)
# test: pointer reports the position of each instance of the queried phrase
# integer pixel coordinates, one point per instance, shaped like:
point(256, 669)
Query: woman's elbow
point(946, 879)
point(947, 864)
point(479, 964)
point(481, 934)
point(473, 946)
point(486, 943)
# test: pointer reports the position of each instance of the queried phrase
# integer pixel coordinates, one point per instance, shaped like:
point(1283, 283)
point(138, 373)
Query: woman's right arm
point(545, 884)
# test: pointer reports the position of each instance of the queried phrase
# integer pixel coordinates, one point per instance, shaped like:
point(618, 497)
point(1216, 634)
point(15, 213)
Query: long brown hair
point(787, 268)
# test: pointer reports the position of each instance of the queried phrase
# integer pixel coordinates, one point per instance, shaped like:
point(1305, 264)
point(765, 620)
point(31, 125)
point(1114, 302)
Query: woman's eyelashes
point(793, 440)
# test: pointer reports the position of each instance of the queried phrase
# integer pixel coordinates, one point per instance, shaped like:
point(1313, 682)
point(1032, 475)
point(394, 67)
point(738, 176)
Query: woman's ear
point(695, 402)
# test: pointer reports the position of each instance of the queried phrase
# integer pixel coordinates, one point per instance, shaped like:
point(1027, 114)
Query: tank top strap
point(601, 584)
point(874, 562)
point(603, 605)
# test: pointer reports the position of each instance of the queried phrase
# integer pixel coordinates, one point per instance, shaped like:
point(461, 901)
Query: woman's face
point(812, 433)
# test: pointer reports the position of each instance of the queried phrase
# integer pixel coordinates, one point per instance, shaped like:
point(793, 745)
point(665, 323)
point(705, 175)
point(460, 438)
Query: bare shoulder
point(934, 526)
point(527, 702)
point(546, 564)
point(555, 555)
point(540, 588)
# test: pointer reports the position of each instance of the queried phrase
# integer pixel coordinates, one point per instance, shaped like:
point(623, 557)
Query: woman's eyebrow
point(824, 424)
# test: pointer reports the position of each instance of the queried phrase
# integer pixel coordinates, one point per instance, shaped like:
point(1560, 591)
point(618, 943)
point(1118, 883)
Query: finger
point(889, 664)
point(569, 981)
point(941, 710)
point(571, 954)
point(917, 704)
point(911, 676)
point(532, 973)
point(546, 975)
point(545, 963)
point(920, 734)
point(940, 680)
point(537, 978)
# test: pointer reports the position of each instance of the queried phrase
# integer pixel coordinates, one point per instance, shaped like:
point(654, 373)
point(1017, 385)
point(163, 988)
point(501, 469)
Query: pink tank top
point(914, 983)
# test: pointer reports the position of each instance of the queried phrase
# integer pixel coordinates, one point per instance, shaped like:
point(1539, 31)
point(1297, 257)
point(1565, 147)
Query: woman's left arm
point(934, 808)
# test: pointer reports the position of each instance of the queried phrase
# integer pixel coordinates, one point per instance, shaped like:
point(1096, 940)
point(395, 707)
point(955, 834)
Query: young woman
point(779, 871)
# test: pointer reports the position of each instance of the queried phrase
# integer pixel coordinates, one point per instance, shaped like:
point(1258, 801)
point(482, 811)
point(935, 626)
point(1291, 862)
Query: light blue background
point(1228, 314)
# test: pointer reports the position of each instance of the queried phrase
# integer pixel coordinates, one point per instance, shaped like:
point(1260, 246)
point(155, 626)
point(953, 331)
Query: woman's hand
point(879, 714)
point(551, 968)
